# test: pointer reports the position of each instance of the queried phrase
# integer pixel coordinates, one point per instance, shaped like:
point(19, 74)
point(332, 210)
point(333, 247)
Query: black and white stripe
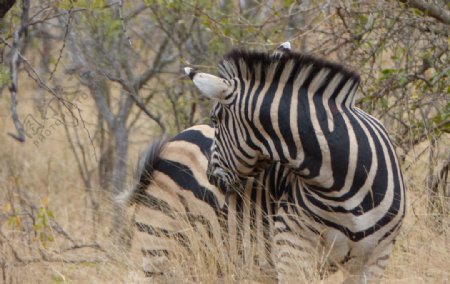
point(177, 205)
point(299, 111)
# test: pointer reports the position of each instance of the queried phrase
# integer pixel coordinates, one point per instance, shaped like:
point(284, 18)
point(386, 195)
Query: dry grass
point(47, 176)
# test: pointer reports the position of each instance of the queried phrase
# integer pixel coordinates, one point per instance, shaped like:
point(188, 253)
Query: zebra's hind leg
point(373, 269)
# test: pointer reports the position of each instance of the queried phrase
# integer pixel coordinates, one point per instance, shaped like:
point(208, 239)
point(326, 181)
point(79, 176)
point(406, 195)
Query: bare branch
point(69, 17)
point(81, 246)
point(439, 13)
point(98, 90)
point(138, 101)
point(136, 11)
point(46, 258)
point(14, 66)
point(14, 69)
point(122, 21)
point(158, 63)
point(33, 74)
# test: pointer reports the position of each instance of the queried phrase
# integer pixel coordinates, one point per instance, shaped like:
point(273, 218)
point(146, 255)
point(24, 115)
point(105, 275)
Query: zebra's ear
point(282, 49)
point(209, 85)
point(285, 46)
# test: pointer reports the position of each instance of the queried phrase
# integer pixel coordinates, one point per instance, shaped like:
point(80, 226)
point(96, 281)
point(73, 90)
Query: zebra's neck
point(319, 143)
point(300, 116)
point(299, 111)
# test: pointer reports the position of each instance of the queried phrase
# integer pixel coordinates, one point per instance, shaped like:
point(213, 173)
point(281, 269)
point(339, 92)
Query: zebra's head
point(234, 153)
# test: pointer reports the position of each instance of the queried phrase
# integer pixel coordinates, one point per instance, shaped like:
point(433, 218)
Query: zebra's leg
point(373, 269)
point(160, 236)
point(295, 251)
point(159, 252)
point(154, 262)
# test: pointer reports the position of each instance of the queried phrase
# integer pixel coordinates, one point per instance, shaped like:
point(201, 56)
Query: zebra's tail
point(143, 173)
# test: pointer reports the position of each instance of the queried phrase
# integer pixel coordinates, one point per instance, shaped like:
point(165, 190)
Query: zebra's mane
point(244, 64)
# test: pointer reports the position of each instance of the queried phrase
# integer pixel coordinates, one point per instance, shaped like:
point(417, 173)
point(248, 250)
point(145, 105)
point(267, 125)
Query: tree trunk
point(120, 232)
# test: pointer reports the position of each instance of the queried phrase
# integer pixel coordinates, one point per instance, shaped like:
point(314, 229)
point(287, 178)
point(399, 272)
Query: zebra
point(300, 111)
point(174, 198)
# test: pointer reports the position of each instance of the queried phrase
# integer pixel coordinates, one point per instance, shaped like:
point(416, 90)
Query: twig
point(122, 20)
point(81, 246)
point(46, 258)
point(133, 13)
point(138, 101)
point(69, 17)
point(32, 73)
point(439, 13)
point(14, 252)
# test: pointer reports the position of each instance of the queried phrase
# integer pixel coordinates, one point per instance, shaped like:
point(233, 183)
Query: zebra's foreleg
point(295, 253)
point(373, 269)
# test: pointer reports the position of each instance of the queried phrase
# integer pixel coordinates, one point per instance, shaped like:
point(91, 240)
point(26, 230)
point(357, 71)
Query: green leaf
point(288, 3)
point(5, 77)
point(388, 71)
point(58, 278)
point(384, 103)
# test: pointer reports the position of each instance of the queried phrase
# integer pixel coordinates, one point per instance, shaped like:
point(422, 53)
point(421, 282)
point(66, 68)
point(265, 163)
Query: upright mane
point(247, 64)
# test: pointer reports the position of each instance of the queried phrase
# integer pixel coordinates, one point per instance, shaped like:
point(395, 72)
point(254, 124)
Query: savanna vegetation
point(85, 85)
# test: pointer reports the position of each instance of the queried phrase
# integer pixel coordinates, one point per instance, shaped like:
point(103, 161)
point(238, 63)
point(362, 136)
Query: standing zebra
point(174, 199)
point(173, 196)
point(299, 111)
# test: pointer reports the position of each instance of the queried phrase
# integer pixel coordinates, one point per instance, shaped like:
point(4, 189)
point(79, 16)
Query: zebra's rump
point(181, 217)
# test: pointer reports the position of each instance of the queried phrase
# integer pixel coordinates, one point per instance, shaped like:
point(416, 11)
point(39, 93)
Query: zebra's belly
point(335, 245)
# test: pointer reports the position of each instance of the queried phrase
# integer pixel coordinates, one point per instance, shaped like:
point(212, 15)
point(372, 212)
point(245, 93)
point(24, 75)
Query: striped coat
point(177, 207)
point(299, 111)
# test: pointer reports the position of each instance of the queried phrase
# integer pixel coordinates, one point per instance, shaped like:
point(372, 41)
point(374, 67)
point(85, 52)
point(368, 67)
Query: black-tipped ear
point(210, 86)
point(285, 47)
point(190, 72)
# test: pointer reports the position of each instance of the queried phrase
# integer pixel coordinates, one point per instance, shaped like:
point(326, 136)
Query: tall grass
point(48, 235)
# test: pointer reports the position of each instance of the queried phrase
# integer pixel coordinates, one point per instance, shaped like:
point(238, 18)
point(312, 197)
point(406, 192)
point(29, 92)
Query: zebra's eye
point(213, 120)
